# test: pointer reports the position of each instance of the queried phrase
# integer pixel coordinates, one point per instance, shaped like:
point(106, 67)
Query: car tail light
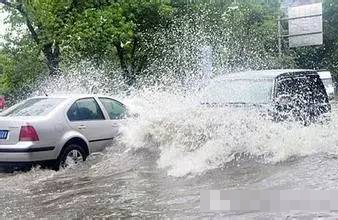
point(28, 133)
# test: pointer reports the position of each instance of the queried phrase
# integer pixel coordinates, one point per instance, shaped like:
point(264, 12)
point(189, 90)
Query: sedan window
point(115, 109)
point(85, 110)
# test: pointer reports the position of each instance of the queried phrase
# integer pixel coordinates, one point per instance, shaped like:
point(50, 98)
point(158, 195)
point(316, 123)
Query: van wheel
point(73, 154)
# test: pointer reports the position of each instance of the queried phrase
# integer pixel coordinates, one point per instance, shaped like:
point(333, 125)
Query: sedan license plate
point(3, 134)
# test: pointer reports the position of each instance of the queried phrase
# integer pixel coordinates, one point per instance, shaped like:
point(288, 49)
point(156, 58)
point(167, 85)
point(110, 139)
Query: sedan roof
point(263, 74)
point(71, 96)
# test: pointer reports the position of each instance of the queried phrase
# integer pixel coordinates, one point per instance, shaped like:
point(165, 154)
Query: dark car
point(284, 94)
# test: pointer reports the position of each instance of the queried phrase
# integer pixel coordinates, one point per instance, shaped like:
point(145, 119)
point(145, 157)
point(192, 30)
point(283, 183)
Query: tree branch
point(29, 24)
point(7, 3)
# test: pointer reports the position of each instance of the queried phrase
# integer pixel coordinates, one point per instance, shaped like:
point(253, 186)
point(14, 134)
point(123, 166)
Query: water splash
point(82, 78)
point(192, 139)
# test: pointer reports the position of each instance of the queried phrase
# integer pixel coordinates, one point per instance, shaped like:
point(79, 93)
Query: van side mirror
point(132, 115)
point(330, 96)
point(283, 100)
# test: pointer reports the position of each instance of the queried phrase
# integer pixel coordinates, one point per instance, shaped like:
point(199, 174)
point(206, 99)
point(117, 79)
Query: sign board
point(305, 25)
point(291, 3)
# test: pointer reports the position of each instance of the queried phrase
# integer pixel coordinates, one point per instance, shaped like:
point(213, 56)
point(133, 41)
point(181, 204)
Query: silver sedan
point(57, 131)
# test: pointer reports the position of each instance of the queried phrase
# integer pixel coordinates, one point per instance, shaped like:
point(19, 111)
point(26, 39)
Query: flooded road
point(164, 158)
point(132, 186)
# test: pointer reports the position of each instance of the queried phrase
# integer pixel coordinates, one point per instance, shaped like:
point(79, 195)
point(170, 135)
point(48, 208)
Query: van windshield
point(327, 83)
point(33, 107)
point(253, 91)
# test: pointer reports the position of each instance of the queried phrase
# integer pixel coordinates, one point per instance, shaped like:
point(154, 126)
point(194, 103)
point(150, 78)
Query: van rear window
point(33, 107)
point(310, 89)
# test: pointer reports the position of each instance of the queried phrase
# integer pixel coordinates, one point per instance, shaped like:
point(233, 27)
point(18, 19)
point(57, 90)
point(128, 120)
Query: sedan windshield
point(238, 91)
point(33, 107)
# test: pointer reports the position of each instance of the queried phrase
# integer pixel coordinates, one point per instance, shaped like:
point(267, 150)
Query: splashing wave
point(192, 139)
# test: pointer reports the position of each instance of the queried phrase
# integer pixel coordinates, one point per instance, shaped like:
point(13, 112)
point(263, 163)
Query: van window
point(309, 89)
point(238, 91)
point(327, 82)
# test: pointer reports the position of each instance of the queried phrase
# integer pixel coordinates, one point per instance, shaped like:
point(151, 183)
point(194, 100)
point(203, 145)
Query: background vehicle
point(284, 94)
point(2, 103)
point(58, 130)
point(326, 77)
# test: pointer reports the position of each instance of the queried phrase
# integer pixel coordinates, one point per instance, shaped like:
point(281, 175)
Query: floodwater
point(169, 154)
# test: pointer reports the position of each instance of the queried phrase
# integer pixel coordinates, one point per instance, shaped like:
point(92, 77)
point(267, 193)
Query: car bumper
point(25, 152)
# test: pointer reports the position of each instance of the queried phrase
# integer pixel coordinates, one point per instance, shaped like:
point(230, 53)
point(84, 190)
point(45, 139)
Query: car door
point(117, 112)
point(86, 117)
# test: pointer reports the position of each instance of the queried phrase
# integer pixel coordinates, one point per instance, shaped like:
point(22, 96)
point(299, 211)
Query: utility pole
point(279, 30)
point(279, 37)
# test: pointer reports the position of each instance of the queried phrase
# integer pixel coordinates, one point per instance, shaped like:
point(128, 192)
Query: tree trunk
point(52, 55)
point(127, 75)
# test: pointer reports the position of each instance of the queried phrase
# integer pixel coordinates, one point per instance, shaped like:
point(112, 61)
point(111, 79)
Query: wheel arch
point(75, 140)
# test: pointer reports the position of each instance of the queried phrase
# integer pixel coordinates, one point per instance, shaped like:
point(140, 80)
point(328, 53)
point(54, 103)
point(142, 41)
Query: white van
point(326, 77)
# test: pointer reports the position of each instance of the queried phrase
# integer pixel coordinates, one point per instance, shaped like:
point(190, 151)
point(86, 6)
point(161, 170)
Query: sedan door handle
point(82, 127)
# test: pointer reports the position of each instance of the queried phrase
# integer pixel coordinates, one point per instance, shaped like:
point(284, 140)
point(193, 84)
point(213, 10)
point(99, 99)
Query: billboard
point(291, 3)
point(305, 25)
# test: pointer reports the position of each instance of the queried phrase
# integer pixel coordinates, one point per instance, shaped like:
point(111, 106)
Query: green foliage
point(6, 69)
point(20, 66)
point(253, 29)
point(147, 37)
point(330, 59)
point(94, 33)
point(96, 30)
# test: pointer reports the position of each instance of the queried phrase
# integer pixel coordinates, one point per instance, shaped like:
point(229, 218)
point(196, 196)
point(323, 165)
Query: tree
point(38, 29)
point(115, 30)
point(95, 29)
point(20, 67)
